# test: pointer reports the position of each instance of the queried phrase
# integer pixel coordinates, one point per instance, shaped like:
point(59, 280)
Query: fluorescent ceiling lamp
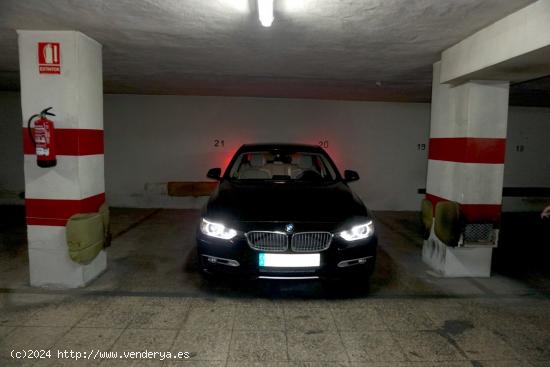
point(265, 12)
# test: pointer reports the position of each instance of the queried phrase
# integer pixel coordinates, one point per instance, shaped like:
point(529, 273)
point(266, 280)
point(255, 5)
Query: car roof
point(281, 146)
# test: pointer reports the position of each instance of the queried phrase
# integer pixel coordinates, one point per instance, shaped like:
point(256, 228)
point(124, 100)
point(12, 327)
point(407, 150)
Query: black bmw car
point(283, 211)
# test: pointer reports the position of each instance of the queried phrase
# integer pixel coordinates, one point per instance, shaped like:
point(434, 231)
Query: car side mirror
point(215, 174)
point(350, 176)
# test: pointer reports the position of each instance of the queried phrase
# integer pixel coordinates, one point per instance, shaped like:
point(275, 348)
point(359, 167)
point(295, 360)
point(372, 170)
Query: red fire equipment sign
point(49, 58)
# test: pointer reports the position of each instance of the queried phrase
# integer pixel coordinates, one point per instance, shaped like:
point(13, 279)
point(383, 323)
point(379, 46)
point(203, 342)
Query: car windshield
point(282, 166)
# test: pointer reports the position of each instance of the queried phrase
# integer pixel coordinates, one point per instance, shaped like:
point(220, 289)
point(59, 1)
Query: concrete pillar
point(62, 70)
point(466, 165)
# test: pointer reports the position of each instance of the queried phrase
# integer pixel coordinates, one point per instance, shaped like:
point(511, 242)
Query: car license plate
point(289, 260)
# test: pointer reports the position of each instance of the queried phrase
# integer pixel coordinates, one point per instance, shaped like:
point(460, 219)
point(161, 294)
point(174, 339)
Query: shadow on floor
point(524, 247)
point(154, 252)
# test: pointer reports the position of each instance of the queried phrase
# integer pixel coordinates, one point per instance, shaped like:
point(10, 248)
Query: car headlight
point(358, 232)
point(217, 230)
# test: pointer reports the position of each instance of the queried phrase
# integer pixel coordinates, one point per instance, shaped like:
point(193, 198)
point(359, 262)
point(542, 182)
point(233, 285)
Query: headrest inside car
point(257, 160)
point(305, 162)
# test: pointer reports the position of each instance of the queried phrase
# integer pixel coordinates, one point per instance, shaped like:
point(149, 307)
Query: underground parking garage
point(275, 183)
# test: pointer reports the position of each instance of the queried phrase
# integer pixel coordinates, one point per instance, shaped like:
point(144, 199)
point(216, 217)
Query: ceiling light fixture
point(265, 12)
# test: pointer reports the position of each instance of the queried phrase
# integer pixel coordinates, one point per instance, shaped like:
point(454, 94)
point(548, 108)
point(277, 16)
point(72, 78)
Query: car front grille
point(267, 241)
point(278, 241)
point(311, 241)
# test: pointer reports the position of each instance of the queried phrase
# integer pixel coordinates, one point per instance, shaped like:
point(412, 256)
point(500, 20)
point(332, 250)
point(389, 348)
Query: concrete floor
point(152, 298)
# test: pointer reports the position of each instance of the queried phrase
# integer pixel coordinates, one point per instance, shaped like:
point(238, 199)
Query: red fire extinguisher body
point(43, 137)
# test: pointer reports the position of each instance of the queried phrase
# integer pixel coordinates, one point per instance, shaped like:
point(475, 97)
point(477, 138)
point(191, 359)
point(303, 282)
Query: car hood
point(284, 202)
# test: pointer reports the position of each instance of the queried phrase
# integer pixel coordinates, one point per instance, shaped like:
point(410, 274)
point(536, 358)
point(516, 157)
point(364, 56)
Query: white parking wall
point(527, 161)
point(150, 140)
point(12, 181)
point(173, 138)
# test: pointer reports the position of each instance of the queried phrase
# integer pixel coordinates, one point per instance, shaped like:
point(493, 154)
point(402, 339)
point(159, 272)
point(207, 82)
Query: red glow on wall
point(226, 159)
point(331, 147)
point(336, 156)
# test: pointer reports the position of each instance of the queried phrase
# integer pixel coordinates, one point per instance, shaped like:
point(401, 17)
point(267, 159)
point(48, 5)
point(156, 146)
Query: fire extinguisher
point(43, 138)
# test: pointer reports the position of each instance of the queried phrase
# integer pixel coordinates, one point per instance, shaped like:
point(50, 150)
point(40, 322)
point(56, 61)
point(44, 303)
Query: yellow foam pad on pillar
point(448, 221)
point(427, 215)
point(85, 236)
point(104, 211)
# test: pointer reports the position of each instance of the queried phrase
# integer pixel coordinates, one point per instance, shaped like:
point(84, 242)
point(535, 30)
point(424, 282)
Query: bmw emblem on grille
point(289, 228)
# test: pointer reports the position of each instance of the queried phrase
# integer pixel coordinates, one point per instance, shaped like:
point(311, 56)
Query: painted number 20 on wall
point(323, 143)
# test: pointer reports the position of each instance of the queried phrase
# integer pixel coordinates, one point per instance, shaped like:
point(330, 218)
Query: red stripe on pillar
point(46, 222)
point(474, 213)
point(468, 150)
point(481, 213)
point(53, 212)
point(70, 142)
point(434, 199)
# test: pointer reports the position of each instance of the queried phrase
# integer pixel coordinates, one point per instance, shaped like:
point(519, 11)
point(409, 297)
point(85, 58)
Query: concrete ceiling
point(337, 49)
